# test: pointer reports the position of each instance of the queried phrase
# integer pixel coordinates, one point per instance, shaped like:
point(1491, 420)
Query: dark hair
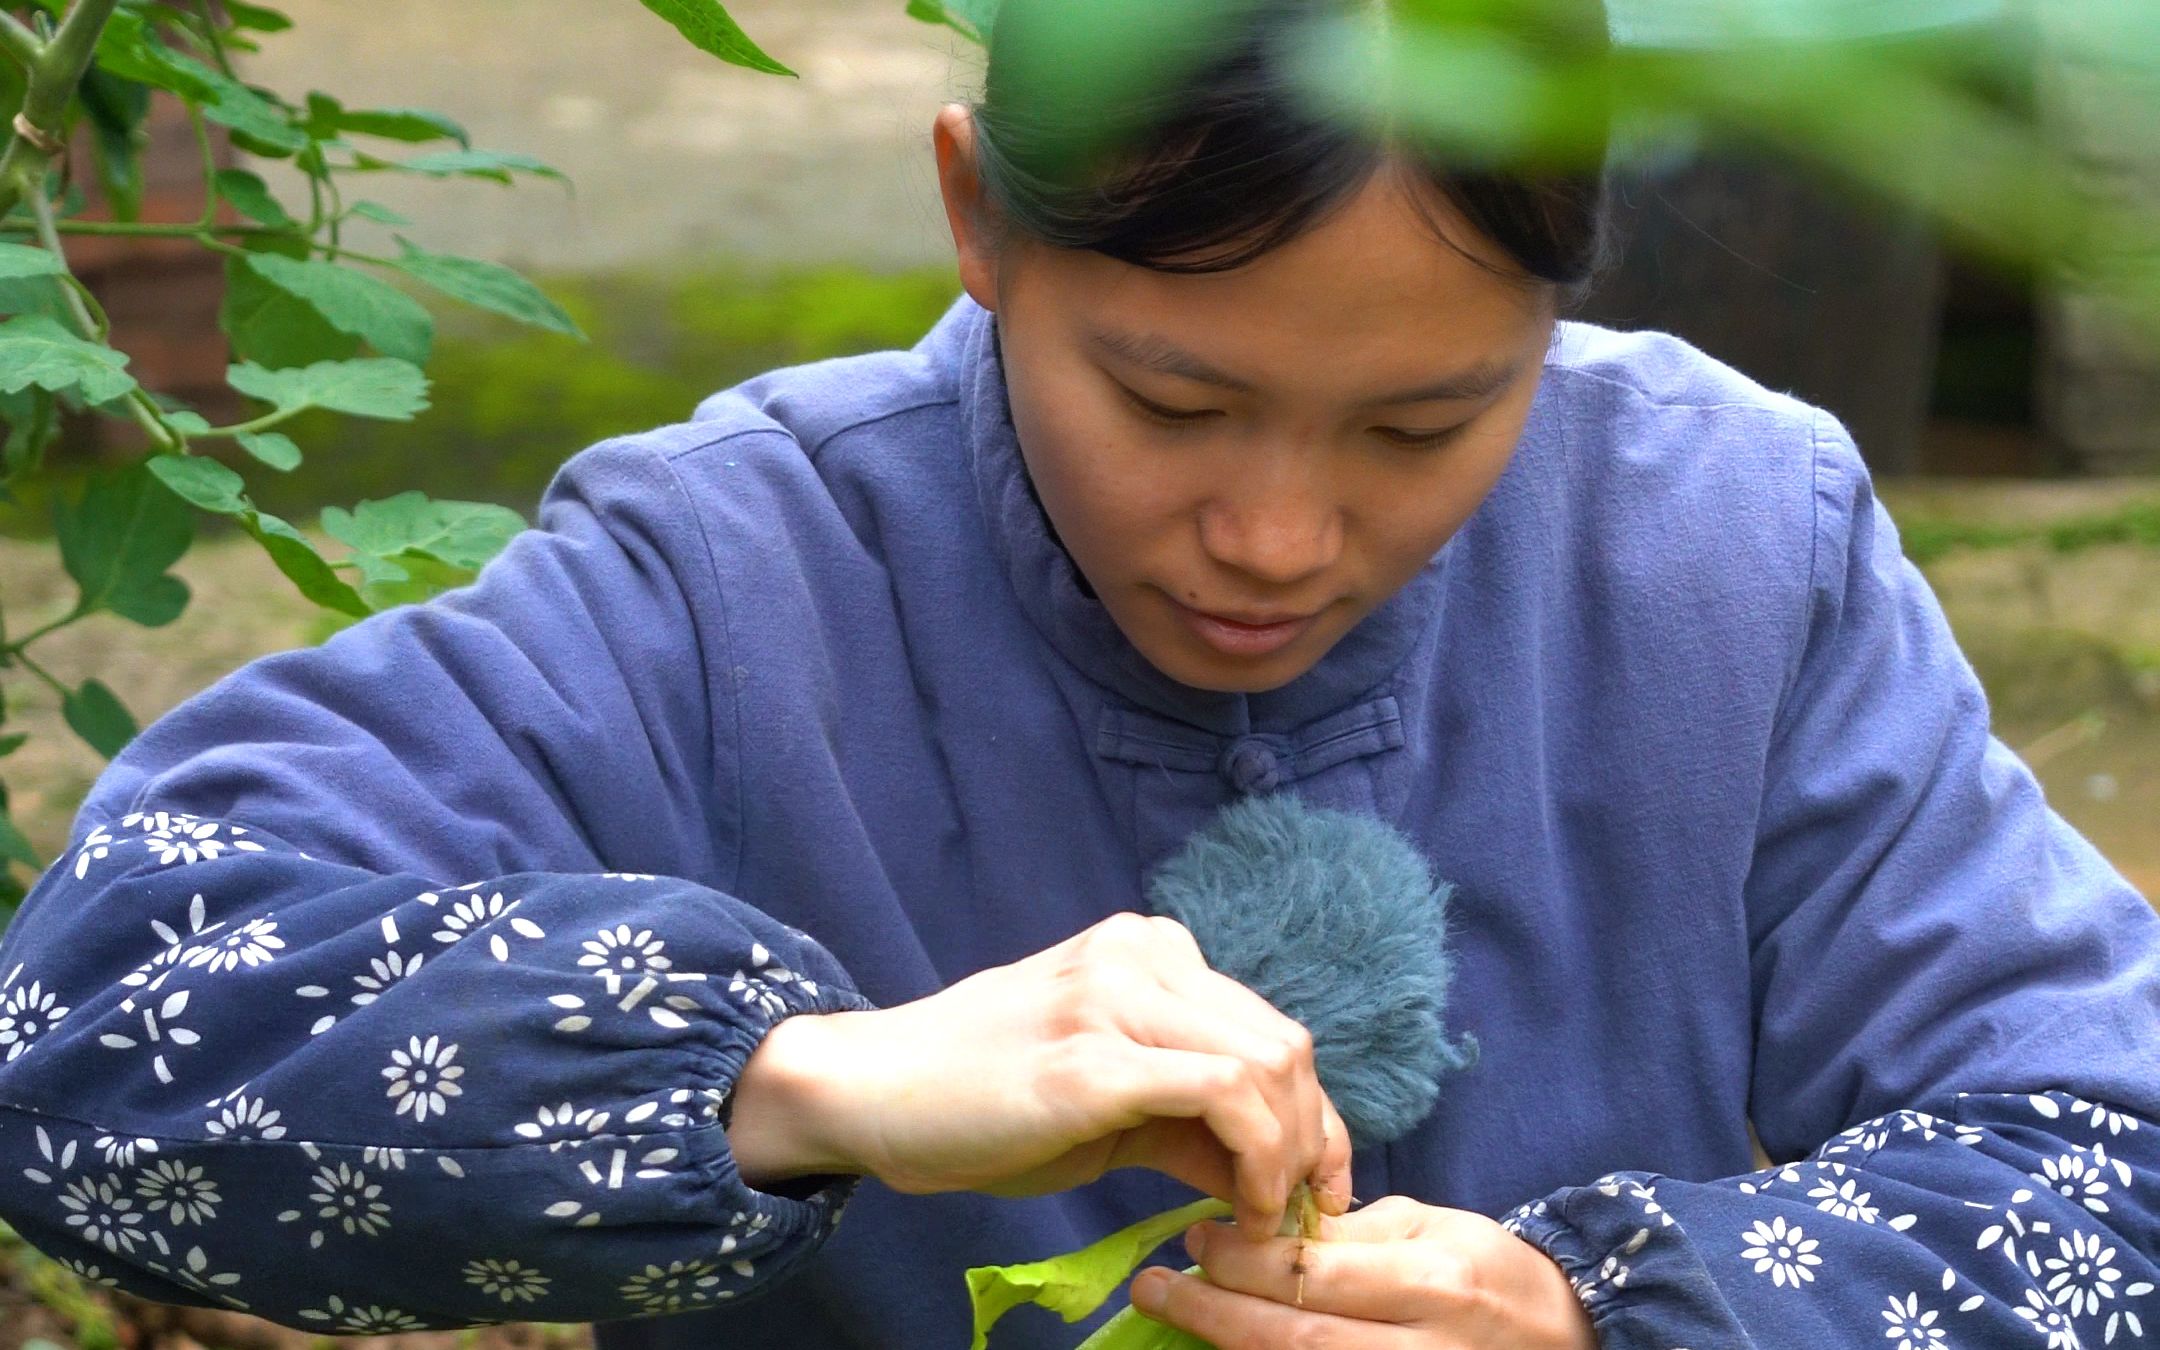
point(1216, 166)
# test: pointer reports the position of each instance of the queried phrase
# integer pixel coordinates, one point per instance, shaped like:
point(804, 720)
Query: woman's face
point(1245, 464)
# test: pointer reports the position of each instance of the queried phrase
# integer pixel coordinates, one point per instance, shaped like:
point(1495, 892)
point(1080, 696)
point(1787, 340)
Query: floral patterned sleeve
point(269, 1044)
point(1956, 1013)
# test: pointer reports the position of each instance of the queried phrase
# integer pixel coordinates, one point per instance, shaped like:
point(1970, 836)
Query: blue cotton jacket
point(403, 982)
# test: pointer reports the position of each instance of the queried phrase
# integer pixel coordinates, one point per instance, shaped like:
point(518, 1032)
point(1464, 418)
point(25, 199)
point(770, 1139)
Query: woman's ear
point(967, 210)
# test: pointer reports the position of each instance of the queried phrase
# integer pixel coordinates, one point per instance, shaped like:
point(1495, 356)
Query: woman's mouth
point(1235, 636)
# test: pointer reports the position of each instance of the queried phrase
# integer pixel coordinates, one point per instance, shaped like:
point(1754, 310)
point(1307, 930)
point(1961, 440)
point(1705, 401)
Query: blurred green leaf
point(36, 350)
point(116, 540)
point(256, 17)
point(970, 18)
point(23, 260)
point(303, 566)
point(385, 317)
point(707, 25)
point(1075, 1284)
point(377, 212)
point(251, 197)
point(15, 848)
point(326, 117)
point(497, 165)
point(97, 716)
point(273, 448)
point(487, 285)
point(381, 387)
point(462, 534)
point(273, 327)
point(203, 482)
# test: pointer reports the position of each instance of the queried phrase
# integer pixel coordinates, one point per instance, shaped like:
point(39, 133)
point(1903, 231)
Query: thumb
point(1387, 1219)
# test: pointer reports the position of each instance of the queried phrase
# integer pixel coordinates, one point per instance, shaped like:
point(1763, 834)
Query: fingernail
point(1196, 1239)
point(1151, 1290)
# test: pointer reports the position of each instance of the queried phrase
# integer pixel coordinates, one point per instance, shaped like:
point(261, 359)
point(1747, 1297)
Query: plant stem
point(148, 230)
point(217, 44)
point(19, 42)
point(139, 405)
point(53, 77)
point(35, 669)
point(262, 423)
point(15, 648)
point(209, 166)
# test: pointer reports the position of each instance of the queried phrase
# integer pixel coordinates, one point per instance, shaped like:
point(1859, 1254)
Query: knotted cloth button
point(1252, 765)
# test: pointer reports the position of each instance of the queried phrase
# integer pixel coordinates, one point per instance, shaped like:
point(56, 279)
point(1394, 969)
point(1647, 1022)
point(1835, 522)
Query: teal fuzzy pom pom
point(1337, 921)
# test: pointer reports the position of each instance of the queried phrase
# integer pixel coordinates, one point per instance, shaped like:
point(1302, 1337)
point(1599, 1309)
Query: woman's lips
point(1233, 638)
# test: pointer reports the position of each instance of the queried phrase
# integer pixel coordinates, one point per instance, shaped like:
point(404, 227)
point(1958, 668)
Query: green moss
point(511, 404)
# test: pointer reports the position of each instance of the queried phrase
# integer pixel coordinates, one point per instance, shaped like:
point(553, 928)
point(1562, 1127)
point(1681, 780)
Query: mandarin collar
point(1050, 590)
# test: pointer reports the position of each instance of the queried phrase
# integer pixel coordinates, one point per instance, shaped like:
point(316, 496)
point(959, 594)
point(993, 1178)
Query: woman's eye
point(1418, 440)
point(1157, 412)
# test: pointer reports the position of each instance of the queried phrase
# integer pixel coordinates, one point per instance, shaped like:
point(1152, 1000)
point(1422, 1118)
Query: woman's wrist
point(785, 1104)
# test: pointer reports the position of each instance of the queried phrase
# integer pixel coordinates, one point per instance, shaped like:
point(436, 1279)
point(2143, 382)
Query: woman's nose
point(1275, 533)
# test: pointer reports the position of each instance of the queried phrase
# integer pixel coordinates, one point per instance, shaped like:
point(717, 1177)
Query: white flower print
point(195, 1273)
point(151, 975)
point(564, 1123)
point(181, 1192)
point(2124, 1317)
point(95, 845)
point(2077, 1176)
point(1785, 1251)
point(372, 1320)
point(384, 971)
point(158, 1025)
point(1844, 1199)
point(90, 1274)
point(253, 943)
point(102, 1212)
point(245, 1118)
point(511, 1281)
point(1911, 1329)
point(2101, 1118)
point(682, 1284)
point(2049, 1321)
point(27, 1013)
point(471, 912)
point(2081, 1273)
point(186, 844)
point(757, 994)
point(120, 1150)
point(619, 952)
point(422, 1077)
point(628, 876)
point(379, 1155)
point(61, 1159)
point(347, 1199)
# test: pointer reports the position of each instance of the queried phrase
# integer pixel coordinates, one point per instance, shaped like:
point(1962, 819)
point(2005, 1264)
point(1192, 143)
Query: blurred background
point(723, 223)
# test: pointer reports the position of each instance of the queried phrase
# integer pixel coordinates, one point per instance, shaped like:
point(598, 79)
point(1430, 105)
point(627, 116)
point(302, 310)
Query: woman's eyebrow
point(1155, 353)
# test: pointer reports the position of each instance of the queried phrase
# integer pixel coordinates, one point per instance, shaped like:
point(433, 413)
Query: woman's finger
point(1231, 1320)
point(1406, 1281)
point(1145, 1081)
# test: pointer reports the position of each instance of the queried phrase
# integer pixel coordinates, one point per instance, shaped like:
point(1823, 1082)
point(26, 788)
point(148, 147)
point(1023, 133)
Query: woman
point(759, 833)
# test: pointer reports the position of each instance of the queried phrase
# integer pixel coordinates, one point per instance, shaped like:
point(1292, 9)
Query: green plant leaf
point(272, 326)
point(380, 387)
point(377, 212)
point(273, 448)
point(187, 422)
point(463, 534)
point(37, 350)
point(255, 17)
point(308, 570)
point(13, 846)
point(21, 260)
point(97, 716)
point(10, 744)
point(709, 29)
point(493, 164)
point(969, 18)
point(251, 197)
point(385, 317)
point(117, 539)
point(202, 482)
point(1075, 1284)
point(129, 49)
point(486, 285)
point(328, 118)
point(1132, 1330)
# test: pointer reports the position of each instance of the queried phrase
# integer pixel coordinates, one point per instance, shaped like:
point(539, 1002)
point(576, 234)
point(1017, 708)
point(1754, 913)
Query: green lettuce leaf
point(1075, 1284)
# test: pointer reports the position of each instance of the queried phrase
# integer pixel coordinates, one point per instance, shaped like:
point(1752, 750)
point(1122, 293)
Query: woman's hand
point(1395, 1274)
point(1118, 1047)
